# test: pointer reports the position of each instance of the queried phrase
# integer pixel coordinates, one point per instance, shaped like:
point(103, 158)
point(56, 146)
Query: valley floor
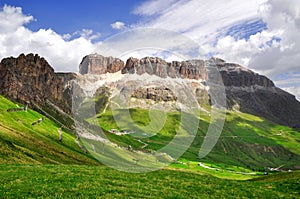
point(73, 181)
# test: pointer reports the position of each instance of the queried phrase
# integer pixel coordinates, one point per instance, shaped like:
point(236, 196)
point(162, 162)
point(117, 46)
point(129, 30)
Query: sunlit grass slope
point(24, 143)
point(67, 181)
point(246, 140)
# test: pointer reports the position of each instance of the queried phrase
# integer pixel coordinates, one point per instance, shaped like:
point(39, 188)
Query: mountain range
point(30, 78)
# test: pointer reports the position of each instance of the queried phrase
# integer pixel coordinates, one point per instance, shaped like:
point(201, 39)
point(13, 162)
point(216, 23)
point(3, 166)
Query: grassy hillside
point(246, 140)
point(252, 142)
point(66, 181)
point(34, 163)
point(24, 143)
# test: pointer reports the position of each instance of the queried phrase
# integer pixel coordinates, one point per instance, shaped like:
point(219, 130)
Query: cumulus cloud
point(118, 25)
point(283, 17)
point(243, 50)
point(87, 34)
point(63, 52)
point(11, 18)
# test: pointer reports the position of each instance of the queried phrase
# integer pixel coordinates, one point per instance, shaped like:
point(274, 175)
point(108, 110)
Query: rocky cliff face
point(155, 94)
point(30, 78)
point(245, 90)
point(194, 69)
point(97, 64)
point(239, 76)
point(256, 94)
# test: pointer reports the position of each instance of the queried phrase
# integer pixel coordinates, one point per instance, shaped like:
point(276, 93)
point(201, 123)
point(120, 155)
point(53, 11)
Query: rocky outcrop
point(239, 76)
point(194, 69)
point(257, 95)
point(97, 64)
point(31, 78)
point(273, 104)
point(155, 94)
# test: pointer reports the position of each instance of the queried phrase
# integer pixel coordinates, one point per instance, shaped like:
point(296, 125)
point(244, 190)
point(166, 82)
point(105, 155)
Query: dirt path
point(145, 144)
point(216, 169)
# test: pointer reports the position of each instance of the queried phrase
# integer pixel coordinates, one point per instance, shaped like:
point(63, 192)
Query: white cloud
point(118, 25)
point(87, 34)
point(63, 52)
point(282, 16)
point(67, 36)
point(200, 20)
point(242, 51)
point(148, 40)
point(11, 18)
point(149, 8)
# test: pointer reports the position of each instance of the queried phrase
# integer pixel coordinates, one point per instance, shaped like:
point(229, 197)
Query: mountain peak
point(31, 78)
point(96, 64)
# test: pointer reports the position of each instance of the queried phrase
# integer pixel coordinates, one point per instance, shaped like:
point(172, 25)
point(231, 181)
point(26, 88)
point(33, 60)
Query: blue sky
point(70, 16)
point(260, 34)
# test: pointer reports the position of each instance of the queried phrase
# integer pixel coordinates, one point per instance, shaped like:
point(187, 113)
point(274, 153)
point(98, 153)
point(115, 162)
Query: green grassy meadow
point(73, 181)
point(35, 164)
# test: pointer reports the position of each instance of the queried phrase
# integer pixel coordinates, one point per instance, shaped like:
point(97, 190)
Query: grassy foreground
point(69, 181)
